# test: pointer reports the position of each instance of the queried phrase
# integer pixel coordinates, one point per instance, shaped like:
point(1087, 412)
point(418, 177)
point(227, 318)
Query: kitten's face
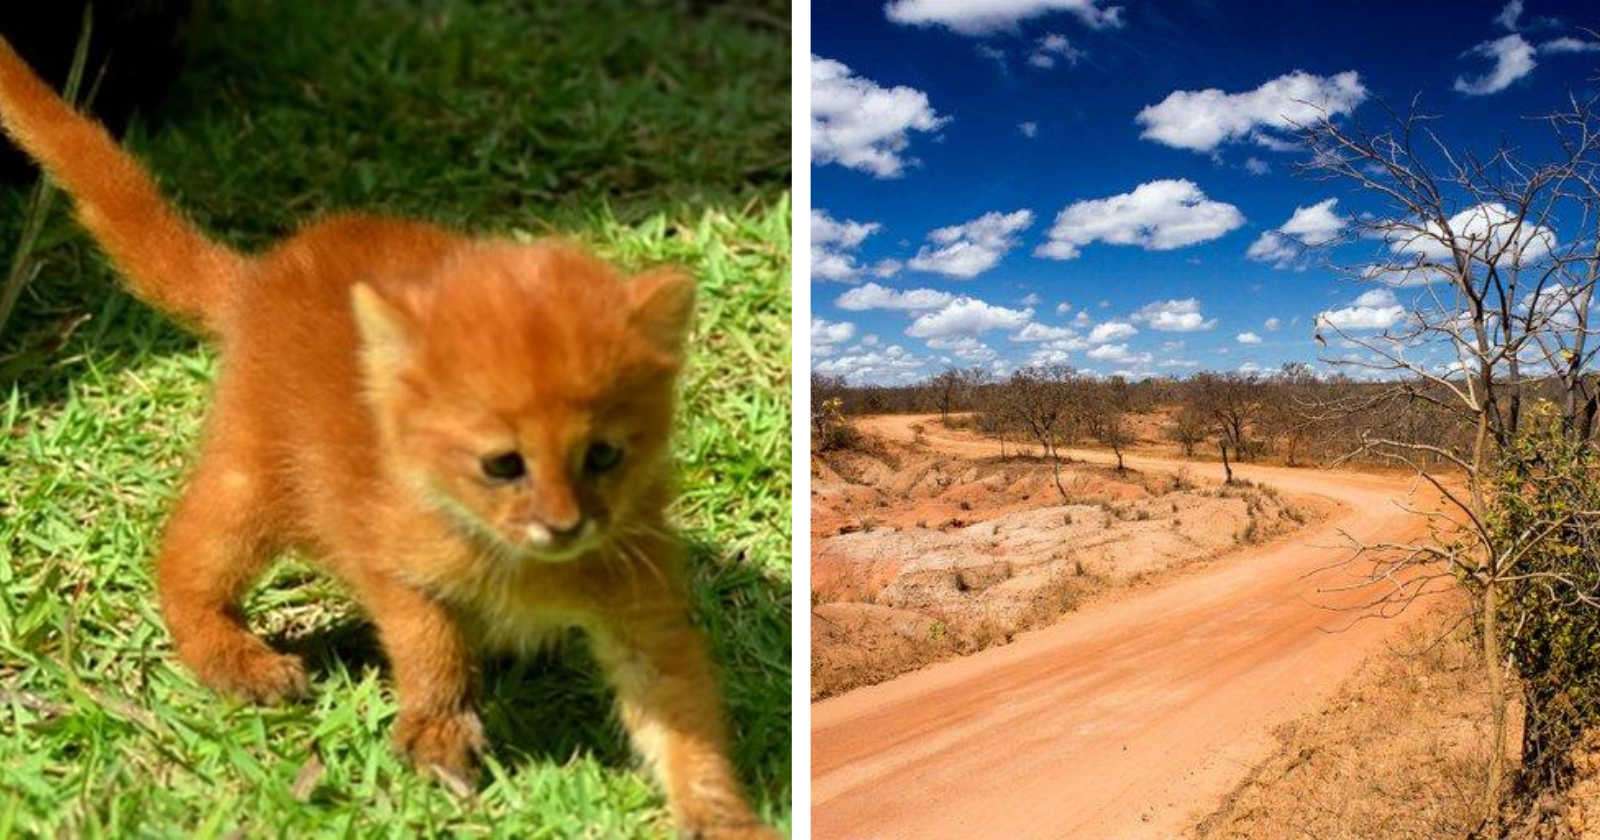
point(527, 393)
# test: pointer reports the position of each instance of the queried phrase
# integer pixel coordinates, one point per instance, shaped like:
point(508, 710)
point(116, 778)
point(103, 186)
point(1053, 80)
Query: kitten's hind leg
point(657, 663)
point(216, 542)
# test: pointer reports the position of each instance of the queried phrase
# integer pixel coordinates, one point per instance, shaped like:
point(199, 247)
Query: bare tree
point(1284, 415)
point(1189, 424)
point(1107, 414)
point(1476, 304)
point(1230, 402)
point(946, 386)
point(1039, 398)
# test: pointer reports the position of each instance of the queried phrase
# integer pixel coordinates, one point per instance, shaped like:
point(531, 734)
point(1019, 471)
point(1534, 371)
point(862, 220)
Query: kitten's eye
point(601, 457)
point(507, 466)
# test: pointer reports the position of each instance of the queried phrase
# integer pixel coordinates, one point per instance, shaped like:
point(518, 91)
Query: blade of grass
point(24, 263)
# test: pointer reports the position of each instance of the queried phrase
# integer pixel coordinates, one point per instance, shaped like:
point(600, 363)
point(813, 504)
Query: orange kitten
point(472, 434)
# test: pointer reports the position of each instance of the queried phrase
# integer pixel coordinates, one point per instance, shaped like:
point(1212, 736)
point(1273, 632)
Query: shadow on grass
point(482, 117)
point(545, 709)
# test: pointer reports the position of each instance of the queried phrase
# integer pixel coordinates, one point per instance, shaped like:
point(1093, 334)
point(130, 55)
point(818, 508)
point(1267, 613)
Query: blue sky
point(949, 134)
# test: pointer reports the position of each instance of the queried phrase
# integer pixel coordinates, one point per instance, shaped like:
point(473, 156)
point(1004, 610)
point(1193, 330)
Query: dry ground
point(1575, 813)
point(919, 553)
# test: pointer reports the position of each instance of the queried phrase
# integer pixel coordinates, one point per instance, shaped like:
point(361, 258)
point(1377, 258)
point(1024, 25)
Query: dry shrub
point(1546, 484)
point(1062, 593)
point(842, 659)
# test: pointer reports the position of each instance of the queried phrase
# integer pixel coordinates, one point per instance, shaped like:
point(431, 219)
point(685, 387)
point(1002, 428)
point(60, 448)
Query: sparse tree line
point(1290, 415)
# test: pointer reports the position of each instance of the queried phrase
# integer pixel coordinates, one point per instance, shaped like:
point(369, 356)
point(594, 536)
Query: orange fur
point(369, 366)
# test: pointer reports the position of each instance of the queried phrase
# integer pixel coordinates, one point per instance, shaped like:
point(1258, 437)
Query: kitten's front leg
point(658, 666)
point(438, 728)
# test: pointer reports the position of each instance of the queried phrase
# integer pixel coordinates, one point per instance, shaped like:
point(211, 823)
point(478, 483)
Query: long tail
point(166, 260)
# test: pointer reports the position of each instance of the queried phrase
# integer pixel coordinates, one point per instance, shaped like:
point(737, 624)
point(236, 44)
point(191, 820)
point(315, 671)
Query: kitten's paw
point(257, 674)
point(447, 745)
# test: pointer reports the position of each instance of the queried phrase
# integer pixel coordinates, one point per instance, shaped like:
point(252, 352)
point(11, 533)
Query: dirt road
point(1131, 718)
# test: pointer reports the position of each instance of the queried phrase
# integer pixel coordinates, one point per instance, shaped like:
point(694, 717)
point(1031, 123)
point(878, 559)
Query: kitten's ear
point(385, 330)
point(663, 307)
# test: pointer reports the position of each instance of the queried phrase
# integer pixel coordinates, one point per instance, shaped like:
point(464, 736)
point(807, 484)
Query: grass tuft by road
point(655, 132)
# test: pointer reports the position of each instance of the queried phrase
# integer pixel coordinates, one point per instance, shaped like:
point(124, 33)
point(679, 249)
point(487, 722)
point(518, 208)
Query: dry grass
point(1400, 751)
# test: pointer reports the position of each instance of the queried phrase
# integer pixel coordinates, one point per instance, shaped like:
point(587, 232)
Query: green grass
point(656, 133)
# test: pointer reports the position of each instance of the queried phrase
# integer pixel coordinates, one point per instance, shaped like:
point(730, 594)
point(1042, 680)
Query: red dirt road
point(1130, 718)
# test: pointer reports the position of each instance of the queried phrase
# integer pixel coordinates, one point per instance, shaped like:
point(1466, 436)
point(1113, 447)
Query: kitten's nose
point(549, 534)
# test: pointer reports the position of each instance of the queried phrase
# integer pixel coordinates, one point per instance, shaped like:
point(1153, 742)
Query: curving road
point(1130, 718)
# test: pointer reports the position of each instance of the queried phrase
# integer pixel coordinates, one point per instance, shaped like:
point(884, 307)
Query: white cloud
point(1256, 166)
point(1174, 316)
point(1308, 227)
point(1247, 338)
point(859, 124)
point(1273, 247)
point(886, 268)
point(1112, 331)
point(967, 317)
point(1157, 216)
point(965, 348)
point(831, 243)
point(825, 333)
point(848, 234)
point(874, 296)
point(1052, 47)
point(1067, 344)
point(981, 353)
point(996, 55)
point(1035, 331)
point(971, 248)
point(1063, 308)
point(981, 17)
point(1272, 324)
point(1488, 233)
point(891, 366)
point(1315, 225)
point(1048, 356)
point(1374, 310)
point(1487, 230)
point(1508, 15)
point(1202, 120)
point(1513, 58)
point(1568, 44)
point(1081, 319)
point(1031, 299)
point(1119, 354)
point(1029, 129)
